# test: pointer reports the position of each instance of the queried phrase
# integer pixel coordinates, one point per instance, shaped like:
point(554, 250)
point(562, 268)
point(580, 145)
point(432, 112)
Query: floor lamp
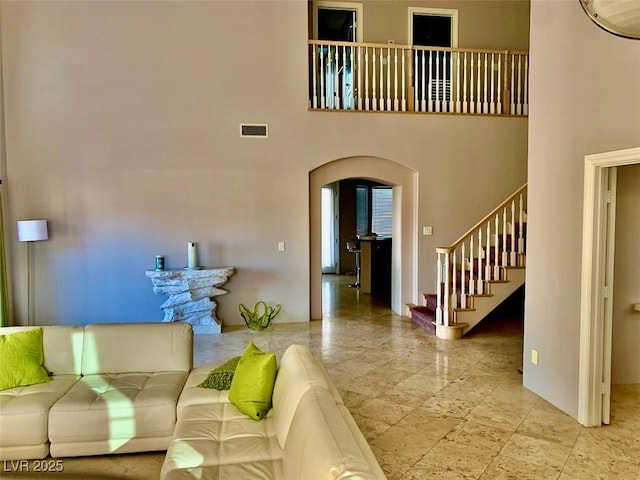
point(31, 231)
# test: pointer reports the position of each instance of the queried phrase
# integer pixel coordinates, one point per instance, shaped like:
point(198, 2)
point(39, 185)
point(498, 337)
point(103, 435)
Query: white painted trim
point(327, 4)
point(441, 12)
point(592, 290)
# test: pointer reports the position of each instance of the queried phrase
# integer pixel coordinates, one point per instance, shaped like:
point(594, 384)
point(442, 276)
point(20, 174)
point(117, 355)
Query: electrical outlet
point(427, 230)
point(534, 356)
point(281, 246)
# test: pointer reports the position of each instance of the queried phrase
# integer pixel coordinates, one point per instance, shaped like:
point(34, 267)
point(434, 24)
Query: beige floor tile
point(471, 433)
point(424, 471)
point(452, 407)
point(405, 441)
point(509, 468)
point(395, 465)
point(384, 410)
point(467, 460)
point(370, 427)
point(536, 451)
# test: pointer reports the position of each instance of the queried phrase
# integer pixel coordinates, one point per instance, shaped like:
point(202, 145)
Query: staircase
point(478, 272)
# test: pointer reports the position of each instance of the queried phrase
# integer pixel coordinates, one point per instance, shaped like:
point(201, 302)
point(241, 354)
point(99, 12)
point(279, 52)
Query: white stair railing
point(463, 272)
point(404, 78)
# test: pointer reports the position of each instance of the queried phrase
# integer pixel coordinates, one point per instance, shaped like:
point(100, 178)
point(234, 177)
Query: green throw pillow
point(253, 382)
point(220, 378)
point(22, 359)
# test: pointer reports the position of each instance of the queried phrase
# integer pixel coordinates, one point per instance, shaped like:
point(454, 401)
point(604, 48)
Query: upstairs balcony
point(370, 77)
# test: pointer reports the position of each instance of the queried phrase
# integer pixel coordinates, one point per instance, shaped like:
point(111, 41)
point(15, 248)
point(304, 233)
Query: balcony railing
point(403, 78)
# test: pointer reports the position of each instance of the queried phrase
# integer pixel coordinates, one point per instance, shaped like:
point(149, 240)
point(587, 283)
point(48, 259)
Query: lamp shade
point(32, 230)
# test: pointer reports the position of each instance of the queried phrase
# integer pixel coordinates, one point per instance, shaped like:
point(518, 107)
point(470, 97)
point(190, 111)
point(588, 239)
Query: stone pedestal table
point(191, 293)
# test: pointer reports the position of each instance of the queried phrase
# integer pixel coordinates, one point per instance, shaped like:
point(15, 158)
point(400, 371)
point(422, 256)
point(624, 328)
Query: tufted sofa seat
point(114, 389)
point(309, 434)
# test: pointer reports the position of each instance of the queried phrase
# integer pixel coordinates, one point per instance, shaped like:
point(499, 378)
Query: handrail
point(482, 222)
point(415, 47)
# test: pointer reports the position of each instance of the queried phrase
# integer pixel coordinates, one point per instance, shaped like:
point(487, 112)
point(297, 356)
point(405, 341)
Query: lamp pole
point(31, 231)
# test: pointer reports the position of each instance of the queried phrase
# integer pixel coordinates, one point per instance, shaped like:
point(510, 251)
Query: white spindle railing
point(381, 77)
point(500, 238)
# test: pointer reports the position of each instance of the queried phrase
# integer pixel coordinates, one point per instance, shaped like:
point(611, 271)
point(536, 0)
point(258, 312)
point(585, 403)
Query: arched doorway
point(404, 283)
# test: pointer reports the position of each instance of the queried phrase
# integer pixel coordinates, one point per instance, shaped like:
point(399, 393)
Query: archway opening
point(404, 225)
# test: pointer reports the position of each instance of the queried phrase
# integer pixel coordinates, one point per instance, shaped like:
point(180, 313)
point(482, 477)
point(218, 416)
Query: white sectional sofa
point(114, 389)
point(308, 434)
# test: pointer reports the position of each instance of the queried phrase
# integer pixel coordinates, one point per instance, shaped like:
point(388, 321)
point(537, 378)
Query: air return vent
point(254, 130)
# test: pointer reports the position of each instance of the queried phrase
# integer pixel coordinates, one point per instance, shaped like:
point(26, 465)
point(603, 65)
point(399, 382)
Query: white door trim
point(593, 320)
point(328, 4)
point(441, 12)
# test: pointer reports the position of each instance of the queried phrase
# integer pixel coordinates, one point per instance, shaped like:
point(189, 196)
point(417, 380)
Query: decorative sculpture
point(261, 316)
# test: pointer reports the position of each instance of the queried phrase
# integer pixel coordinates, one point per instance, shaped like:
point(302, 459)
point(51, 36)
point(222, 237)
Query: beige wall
point(122, 131)
point(584, 100)
point(625, 358)
point(486, 24)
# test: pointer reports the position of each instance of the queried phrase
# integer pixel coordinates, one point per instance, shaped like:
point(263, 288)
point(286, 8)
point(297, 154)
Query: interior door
point(607, 337)
point(338, 21)
point(432, 69)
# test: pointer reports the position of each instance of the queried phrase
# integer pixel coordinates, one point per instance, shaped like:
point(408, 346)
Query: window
point(374, 209)
point(381, 210)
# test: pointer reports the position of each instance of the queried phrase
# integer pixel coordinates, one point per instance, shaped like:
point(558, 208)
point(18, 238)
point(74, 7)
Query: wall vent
point(254, 130)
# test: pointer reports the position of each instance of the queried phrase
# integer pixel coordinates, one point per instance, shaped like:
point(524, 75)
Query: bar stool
point(353, 246)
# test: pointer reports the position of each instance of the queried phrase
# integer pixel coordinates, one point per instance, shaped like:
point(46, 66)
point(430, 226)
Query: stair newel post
point(443, 316)
point(454, 278)
point(359, 70)
point(480, 285)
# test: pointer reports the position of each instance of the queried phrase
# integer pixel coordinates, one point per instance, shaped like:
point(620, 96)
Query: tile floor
point(429, 408)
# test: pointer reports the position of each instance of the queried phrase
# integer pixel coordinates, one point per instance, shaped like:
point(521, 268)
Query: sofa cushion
point(24, 412)
point(137, 347)
point(321, 445)
point(298, 372)
point(117, 407)
point(252, 385)
point(192, 394)
point(217, 441)
point(22, 359)
point(220, 378)
point(62, 346)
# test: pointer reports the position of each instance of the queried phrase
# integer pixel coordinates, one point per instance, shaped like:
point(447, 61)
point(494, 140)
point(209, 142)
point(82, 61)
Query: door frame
point(594, 387)
point(404, 180)
point(439, 12)
point(328, 4)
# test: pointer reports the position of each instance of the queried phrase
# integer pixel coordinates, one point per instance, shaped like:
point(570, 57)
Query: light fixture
point(31, 231)
point(620, 17)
